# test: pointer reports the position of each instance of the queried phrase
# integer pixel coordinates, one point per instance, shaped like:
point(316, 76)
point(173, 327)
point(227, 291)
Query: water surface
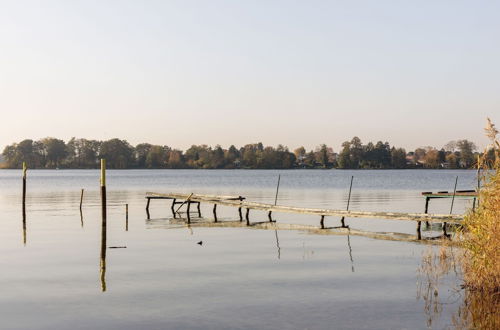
point(239, 278)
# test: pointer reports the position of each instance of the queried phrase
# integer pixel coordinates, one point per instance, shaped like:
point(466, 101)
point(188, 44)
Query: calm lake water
point(239, 278)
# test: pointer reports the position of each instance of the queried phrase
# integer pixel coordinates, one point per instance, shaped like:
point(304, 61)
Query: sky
point(177, 73)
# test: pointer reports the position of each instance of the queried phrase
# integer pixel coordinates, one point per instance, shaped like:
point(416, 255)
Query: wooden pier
point(240, 203)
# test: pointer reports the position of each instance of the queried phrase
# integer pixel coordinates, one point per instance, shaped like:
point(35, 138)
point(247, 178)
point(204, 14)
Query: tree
point(55, 151)
point(141, 154)
point(466, 149)
point(398, 158)
point(157, 157)
point(431, 159)
point(345, 155)
point(118, 153)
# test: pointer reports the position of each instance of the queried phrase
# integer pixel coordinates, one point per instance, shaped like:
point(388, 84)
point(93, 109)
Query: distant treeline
point(83, 153)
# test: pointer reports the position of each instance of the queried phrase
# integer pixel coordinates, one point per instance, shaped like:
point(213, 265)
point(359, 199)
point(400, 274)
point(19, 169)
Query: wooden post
point(25, 169)
point(454, 193)
point(126, 217)
point(277, 189)
point(269, 216)
point(451, 208)
point(189, 211)
point(419, 232)
point(186, 201)
point(215, 212)
point(322, 222)
point(348, 201)
point(104, 225)
point(239, 209)
point(199, 211)
point(103, 190)
point(247, 216)
point(81, 200)
point(147, 208)
point(427, 224)
point(172, 207)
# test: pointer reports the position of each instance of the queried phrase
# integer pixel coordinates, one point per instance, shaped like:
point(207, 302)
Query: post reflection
point(103, 254)
point(24, 227)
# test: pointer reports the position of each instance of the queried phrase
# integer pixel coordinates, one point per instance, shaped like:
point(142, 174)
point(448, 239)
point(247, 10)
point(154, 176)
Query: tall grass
point(481, 231)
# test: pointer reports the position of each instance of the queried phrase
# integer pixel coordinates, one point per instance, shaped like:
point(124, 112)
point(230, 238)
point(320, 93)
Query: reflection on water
point(466, 309)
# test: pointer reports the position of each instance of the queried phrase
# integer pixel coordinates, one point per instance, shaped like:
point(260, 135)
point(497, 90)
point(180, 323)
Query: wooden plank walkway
point(239, 202)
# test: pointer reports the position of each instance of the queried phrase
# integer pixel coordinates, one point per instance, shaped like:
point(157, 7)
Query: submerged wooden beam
point(237, 202)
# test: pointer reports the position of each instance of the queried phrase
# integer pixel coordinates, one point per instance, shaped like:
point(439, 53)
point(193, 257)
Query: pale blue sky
point(414, 73)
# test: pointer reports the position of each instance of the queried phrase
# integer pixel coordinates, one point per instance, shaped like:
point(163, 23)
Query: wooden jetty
point(240, 202)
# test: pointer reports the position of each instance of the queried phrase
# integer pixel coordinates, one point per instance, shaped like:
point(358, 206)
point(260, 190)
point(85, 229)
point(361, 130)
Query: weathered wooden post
point(126, 217)
point(348, 201)
point(172, 208)
point(147, 208)
point(215, 212)
point(103, 190)
point(81, 200)
point(103, 226)
point(322, 222)
point(269, 215)
point(247, 216)
point(239, 209)
point(189, 211)
point(451, 208)
point(198, 209)
point(25, 169)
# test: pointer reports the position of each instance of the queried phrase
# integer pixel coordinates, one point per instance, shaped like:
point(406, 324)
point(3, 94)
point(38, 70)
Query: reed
point(481, 230)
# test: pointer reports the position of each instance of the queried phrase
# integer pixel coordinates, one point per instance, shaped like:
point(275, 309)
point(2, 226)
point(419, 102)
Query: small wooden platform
point(446, 194)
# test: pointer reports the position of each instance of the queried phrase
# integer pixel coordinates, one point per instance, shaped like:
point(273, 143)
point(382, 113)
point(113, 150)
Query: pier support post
point(215, 212)
point(419, 232)
point(269, 216)
point(322, 222)
point(172, 208)
point(189, 211)
point(247, 216)
point(199, 211)
point(147, 208)
point(427, 209)
point(126, 217)
point(241, 215)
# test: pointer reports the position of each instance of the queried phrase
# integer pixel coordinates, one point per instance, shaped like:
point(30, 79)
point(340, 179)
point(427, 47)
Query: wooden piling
point(247, 216)
point(322, 222)
point(81, 200)
point(215, 212)
point(199, 210)
point(103, 226)
point(25, 170)
point(103, 190)
point(126, 217)
point(188, 211)
point(277, 189)
point(451, 208)
point(348, 202)
point(240, 214)
point(172, 208)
